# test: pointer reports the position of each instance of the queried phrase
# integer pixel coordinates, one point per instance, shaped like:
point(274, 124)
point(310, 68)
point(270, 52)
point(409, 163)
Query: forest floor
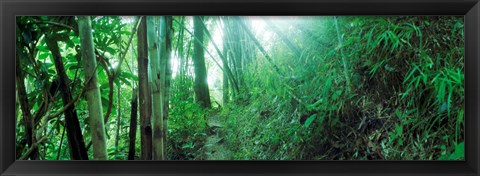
point(215, 148)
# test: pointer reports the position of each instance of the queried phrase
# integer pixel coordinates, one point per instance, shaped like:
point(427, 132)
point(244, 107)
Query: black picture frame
point(11, 8)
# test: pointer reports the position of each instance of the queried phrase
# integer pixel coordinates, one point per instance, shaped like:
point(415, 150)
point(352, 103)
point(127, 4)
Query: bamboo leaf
point(441, 92)
point(310, 120)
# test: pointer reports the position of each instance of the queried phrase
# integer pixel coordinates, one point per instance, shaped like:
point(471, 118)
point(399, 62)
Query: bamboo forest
point(240, 88)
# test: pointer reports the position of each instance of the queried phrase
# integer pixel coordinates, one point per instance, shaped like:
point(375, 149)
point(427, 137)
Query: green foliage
point(186, 130)
point(405, 99)
point(392, 68)
point(109, 31)
point(457, 154)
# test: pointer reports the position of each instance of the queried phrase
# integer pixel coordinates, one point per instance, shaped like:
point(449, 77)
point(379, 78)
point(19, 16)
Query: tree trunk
point(182, 61)
point(74, 133)
point(145, 97)
point(157, 87)
point(202, 93)
point(95, 111)
point(233, 32)
point(226, 93)
point(25, 107)
point(133, 125)
point(132, 135)
point(260, 47)
point(119, 114)
point(168, 78)
point(223, 68)
point(119, 87)
point(238, 54)
point(17, 104)
point(227, 69)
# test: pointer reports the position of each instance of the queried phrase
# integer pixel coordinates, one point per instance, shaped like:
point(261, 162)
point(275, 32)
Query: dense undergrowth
point(402, 97)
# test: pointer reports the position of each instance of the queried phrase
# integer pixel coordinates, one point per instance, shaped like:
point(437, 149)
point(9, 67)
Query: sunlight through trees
point(240, 88)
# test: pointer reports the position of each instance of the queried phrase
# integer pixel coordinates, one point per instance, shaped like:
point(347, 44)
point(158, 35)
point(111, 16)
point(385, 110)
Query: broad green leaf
point(76, 40)
point(43, 48)
point(111, 50)
point(336, 94)
point(459, 151)
point(70, 43)
point(441, 92)
point(117, 82)
point(43, 56)
point(104, 86)
point(399, 130)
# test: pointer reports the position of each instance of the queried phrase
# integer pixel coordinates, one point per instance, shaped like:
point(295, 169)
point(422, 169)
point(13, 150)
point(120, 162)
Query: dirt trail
point(215, 148)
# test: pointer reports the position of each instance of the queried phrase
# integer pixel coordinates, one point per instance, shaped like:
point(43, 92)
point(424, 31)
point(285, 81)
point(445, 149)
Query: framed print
point(250, 87)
